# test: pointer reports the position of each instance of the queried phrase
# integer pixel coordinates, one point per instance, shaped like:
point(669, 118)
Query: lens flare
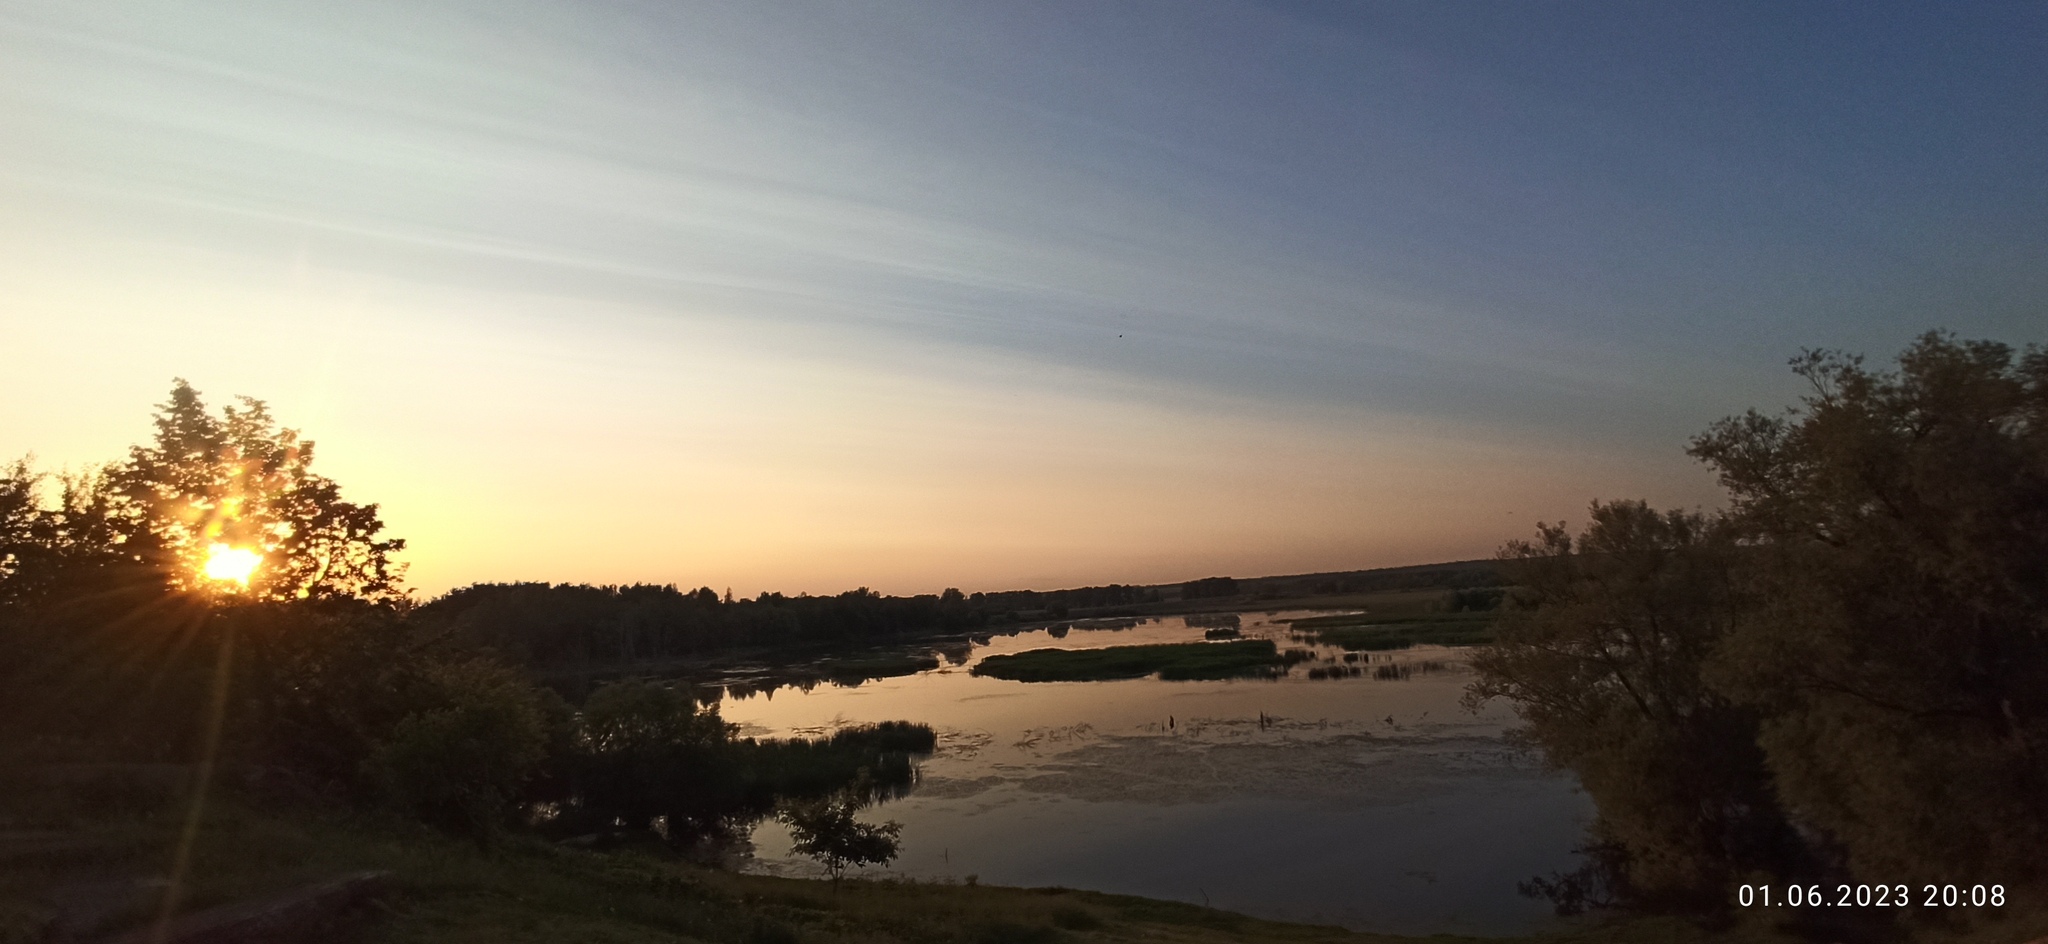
point(231, 563)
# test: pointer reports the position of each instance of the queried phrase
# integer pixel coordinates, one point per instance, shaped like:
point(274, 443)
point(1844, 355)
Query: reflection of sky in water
point(1377, 804)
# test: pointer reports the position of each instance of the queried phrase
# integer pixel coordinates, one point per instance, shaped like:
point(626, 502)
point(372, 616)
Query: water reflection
point(1350, 788)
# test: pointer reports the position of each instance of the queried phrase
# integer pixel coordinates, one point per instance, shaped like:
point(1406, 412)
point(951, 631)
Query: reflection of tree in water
point(845, 670)
point(955, 653)
point(651, 761)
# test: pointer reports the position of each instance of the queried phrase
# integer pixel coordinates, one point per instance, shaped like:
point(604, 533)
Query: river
point(1371, 800)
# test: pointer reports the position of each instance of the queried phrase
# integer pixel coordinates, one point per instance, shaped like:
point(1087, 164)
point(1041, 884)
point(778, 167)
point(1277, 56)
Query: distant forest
point(541, 624)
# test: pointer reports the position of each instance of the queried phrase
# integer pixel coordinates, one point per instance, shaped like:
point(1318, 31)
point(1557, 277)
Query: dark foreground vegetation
point(1171, 661)
point(138, 649)
point(1842, 679)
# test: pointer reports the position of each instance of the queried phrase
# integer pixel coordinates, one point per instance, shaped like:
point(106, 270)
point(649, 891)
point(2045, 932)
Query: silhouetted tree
point(1900, 654)
point(1208, 587)
point(239, 480)
point(111, 629)
point(826, 830)
point(649, 751)
point(1601, 650)
point(1858, 648)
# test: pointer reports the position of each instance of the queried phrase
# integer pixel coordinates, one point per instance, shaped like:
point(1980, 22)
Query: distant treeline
point(544, 624)
point(1459, 575)
point(563, 624)
point(555, 624)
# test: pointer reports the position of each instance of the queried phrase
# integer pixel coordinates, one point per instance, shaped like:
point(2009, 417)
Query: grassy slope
point(1191, 660)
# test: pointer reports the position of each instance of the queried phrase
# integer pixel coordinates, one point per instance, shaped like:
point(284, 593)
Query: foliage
point(1173, 661)
point(462, 761)
point(99, 646)
point(650, 754)
point(111, 631)
point(50, 553)
point(648, 751)
point(1208, 587)
point(1900, 654)
point(1845, 675)
point(1601, 652)
point(345, 698)
point(825, 829)
point(571, 625)
point(240, 480)
point(877, 757)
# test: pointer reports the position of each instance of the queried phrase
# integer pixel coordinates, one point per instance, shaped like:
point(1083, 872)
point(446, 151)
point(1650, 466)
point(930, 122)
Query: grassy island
point(1174, 661)
point(1369, 633)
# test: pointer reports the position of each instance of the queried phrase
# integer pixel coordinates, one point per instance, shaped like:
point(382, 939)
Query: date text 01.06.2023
point(1870, 896)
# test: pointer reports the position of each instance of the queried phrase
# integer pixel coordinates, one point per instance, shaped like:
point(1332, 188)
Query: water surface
point(1376, 803)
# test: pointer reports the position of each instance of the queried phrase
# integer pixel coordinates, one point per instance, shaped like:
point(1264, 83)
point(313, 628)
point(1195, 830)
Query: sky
point(808, 296)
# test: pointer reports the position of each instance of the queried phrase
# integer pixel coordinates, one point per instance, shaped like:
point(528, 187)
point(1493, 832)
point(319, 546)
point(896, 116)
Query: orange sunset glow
point(231, 564)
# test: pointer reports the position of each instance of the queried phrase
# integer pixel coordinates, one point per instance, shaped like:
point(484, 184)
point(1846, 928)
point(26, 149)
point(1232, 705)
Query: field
point(1174, 661)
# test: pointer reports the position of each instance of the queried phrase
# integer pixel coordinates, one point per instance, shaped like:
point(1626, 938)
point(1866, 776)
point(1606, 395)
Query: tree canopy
point(1845, 674)
point(1899, 651)
point(239, 480)
point(107, 608)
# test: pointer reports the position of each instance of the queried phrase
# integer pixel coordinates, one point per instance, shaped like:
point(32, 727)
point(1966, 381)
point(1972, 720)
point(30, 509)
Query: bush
point(826, 831)
point(647, 751)
point(462, 762)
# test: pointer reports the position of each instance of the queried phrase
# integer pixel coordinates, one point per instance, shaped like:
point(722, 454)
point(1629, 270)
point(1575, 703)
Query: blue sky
point(807, 296)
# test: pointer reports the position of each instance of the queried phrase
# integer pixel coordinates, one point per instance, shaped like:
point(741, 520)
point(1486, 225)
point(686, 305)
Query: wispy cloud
point(1433, 232)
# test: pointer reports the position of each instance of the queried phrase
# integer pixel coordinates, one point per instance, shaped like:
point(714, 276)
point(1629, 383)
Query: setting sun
point(231, 563)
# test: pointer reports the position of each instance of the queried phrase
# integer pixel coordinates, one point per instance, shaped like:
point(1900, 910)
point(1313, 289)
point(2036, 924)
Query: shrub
point(647, 751)
point(462, 762)
point(826, 831)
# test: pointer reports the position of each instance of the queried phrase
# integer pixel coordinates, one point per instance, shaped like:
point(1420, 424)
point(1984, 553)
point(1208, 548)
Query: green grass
point(1175, 661)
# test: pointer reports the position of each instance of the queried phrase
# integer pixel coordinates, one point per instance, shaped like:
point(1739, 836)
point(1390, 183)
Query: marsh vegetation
point(1169, 661)
point(1370, 632)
